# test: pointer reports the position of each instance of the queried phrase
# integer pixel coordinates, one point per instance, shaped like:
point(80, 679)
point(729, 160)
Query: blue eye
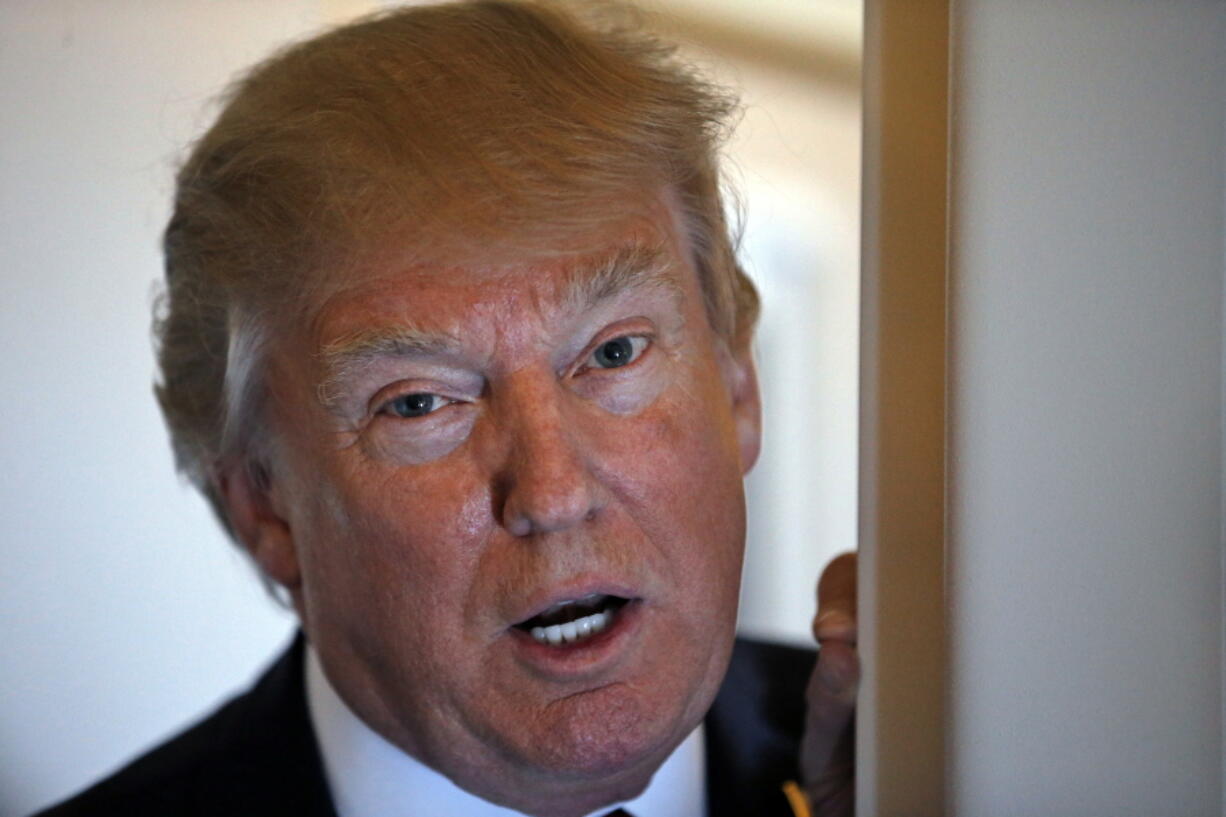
point(417, 404)
point(618, 352)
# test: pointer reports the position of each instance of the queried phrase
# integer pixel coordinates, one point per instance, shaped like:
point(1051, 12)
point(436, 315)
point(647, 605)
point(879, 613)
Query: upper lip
point(540, 601)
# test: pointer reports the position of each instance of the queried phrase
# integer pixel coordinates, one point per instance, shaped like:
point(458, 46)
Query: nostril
point(535, 505)
point(519, 526)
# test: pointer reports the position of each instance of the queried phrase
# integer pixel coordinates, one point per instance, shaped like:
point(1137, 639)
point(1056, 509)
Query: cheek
point(684, 440)
point(393, 546)
point(676, 466)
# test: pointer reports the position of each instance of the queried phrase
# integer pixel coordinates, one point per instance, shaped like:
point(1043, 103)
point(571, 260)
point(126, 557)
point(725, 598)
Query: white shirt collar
point(367, 775)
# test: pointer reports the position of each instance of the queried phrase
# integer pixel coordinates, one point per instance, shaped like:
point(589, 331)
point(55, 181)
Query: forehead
point(639, 250)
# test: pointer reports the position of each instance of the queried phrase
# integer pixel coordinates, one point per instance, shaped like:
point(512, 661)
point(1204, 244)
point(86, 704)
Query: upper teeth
point(571, 631)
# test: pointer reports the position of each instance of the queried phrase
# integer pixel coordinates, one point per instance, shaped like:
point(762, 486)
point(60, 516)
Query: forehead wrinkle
point(347, 356)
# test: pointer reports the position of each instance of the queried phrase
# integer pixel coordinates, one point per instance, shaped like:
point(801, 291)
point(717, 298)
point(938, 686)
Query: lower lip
point(590, 655)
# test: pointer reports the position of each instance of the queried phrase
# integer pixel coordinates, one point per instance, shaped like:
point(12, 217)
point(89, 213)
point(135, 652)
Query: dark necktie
point(621, 812)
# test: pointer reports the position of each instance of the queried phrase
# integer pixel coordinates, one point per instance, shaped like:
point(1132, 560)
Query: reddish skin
point(410, 546)
point(827, 755)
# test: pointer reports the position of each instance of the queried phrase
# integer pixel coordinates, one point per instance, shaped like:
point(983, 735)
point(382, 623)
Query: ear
point(247, 492)
point(741, 376)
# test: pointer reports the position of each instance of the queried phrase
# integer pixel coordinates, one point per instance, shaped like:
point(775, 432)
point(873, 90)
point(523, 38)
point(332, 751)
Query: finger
point(832, 690)
point(837, 586)
point(831, 697)
point(836, 601)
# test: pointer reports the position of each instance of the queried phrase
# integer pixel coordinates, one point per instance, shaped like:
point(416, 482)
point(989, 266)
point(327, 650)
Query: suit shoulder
point(771, 658)
point(256, 755)
point(755, 726)
point(766, 685)
point(161, 780)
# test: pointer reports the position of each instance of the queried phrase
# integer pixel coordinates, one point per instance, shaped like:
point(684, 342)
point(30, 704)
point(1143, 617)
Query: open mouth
point(573, 621)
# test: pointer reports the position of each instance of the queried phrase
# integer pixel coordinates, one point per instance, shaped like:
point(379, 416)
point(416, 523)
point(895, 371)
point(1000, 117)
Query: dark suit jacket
point(257, 756)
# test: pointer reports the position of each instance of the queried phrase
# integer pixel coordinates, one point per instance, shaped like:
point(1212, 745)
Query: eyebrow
point(634, 267)
point(345, 357)
point(638, 266)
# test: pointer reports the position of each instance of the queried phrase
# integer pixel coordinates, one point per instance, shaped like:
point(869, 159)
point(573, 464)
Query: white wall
point(1085, 505)
point(123, 611)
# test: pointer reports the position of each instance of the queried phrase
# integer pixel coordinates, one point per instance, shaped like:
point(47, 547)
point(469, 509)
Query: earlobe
point(247, 493)
point(742, 378)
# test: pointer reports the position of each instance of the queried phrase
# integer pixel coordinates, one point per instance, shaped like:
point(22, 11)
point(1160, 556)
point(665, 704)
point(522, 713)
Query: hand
point(827, 755)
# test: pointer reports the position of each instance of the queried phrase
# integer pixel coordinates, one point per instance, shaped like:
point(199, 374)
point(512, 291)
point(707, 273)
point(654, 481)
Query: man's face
point(468, 454)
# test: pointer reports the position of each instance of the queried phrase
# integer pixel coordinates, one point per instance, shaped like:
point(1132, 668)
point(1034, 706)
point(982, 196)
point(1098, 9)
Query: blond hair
point(502, 121)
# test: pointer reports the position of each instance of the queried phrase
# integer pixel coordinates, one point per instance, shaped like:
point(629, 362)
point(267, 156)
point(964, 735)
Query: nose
point(546, 482)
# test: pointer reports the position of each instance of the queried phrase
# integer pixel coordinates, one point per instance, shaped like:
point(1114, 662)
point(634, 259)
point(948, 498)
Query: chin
point(609, 734)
